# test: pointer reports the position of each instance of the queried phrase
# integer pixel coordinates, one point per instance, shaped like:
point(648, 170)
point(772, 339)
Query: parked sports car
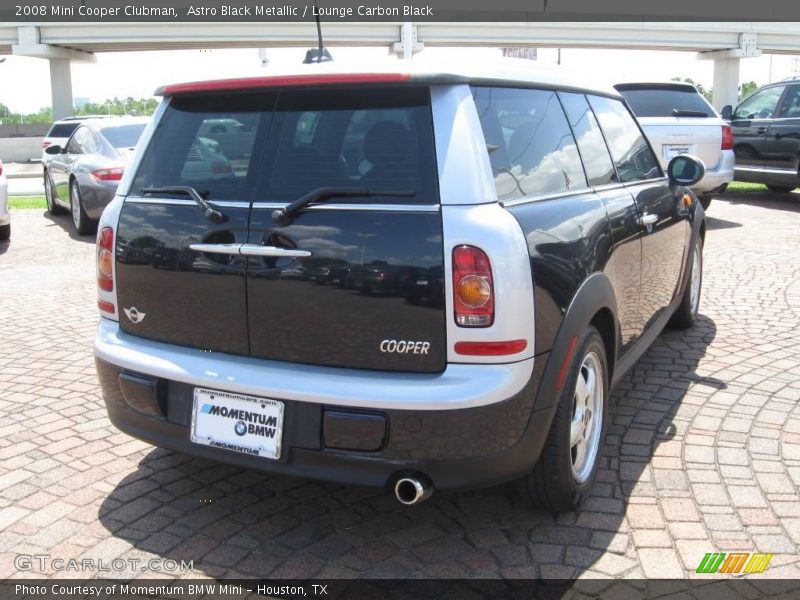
point(82, 176)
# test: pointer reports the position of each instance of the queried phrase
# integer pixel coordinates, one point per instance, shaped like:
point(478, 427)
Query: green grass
point(23, 202)
point(738, 186)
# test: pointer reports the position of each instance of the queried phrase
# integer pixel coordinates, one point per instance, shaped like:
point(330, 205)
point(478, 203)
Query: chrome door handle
point(249, 250)
point(256, 250)
point(647, 219)
point(216, 248)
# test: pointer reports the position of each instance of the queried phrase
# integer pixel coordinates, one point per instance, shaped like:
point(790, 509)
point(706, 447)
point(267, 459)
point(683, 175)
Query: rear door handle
point(249, 250)
point(761, 130)
point(648, 219)
point(256, 250)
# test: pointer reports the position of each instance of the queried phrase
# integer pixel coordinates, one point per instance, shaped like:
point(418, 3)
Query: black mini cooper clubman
point(411, 280)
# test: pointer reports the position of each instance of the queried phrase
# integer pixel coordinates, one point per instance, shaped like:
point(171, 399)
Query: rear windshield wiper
point(283, 216)
point(688, 113)
point(210, 213)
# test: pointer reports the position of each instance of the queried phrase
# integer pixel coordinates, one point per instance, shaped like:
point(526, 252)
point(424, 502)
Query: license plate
point(237, 422)
point(673, 150)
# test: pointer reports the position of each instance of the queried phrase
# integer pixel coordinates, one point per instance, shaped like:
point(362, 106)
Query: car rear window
point(62, 130)
point(665, 101)
point(278, 146)
point(124, 136)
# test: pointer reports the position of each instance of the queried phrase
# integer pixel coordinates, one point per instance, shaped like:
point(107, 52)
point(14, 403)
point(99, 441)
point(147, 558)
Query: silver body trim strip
point(458, 386)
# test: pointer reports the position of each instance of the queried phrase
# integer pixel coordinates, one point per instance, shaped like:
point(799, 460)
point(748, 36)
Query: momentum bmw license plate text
point(237, 422)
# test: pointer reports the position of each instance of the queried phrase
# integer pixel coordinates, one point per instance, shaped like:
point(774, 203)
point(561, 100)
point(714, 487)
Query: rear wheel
point(780, 189)
point(49, 195)
point(5, 232)
point(83, 225)
point(686, 312)
point(571, 455)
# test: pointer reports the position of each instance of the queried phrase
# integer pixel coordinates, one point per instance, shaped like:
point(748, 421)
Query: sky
point(25, 82)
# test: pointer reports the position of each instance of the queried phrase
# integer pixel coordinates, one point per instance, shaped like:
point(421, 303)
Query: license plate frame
point(670, 151)
point(238, 423)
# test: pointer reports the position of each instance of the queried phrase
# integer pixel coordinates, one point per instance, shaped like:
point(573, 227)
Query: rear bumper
point(456, 447)
point(96, 195)
point(716, 178)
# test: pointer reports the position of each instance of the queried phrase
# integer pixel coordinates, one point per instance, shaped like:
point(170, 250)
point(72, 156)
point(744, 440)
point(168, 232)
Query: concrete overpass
point(726, 43)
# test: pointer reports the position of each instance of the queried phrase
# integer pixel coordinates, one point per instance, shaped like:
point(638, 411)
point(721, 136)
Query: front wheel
point(686, 313)
point(705, 201)
point(5, 232)
point(571, 455)
point(780, 189)
point(49, 195)
point(83, 225)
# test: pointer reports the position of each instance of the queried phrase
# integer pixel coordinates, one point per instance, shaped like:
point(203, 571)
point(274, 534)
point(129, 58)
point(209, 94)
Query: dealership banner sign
point(27, 11)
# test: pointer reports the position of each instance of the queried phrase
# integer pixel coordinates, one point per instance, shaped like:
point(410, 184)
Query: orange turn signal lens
point(687, 200)
point(474, 291)
point(105, 262)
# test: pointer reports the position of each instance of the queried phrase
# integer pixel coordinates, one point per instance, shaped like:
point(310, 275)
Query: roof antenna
point(320, 54)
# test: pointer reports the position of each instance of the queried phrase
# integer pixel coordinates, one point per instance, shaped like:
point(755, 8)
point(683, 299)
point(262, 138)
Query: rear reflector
point(113, 174)
point(250, 83)
point(490, 348)
point(473, 287)
point(106, 306)
point(562, 374)
point(727, 137)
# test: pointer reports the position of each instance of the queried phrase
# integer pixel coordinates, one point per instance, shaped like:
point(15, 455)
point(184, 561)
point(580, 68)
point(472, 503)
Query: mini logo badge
point(134, 315)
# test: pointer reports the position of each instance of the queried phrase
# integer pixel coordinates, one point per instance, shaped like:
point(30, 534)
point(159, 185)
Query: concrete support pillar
point(726, 82)
point(61, 87)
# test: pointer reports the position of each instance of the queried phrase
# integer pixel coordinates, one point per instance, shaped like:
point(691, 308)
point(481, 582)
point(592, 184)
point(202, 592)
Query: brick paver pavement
point(702, 451)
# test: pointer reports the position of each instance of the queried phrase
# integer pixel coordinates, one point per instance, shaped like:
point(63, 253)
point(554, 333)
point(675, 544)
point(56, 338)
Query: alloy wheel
point(587, 414)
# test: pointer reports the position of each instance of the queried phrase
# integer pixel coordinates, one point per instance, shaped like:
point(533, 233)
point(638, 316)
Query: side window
point(632, 155)
point(760, 105)
point(530, 145)
point(790, 106)
point(76, 143)
point(596, 160)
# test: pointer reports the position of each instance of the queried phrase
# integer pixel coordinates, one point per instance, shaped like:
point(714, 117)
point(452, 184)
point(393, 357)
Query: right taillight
point(473, 288)
point(105, 259)
point(727, 137)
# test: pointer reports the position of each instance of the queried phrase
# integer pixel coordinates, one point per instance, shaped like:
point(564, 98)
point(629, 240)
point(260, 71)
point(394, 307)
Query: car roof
point(507, 72)
point(119, 121)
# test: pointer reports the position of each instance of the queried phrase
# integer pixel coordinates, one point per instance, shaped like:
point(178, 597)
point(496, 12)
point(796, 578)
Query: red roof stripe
point(282, 81)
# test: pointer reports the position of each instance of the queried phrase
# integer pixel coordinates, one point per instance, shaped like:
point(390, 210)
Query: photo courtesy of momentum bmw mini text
point(396, 299)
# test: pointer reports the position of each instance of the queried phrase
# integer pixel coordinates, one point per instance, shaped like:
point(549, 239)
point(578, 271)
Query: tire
point(780, 189)
point(83, 224)
point(686, 313)
point(49, 195)
point(5, 232)
point(564, 475)
point(705, 201)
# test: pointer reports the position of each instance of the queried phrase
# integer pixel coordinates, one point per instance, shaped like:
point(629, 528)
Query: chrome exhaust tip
point(413, 489)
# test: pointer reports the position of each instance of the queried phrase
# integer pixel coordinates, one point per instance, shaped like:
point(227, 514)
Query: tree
point(747, 88)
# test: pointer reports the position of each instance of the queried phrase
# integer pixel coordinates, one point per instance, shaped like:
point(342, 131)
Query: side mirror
point(685, 170)
point(55, 149)
point(727, 112)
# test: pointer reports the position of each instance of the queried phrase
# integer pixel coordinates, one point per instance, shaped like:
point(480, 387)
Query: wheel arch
point(593, 304)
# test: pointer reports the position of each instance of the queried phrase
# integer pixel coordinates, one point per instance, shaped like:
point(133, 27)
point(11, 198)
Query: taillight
point(105, 260)
point(1, 168)
point(473, 288)
point(220, 167)
point(45, 144)
point(727, 137)
point(112, 174)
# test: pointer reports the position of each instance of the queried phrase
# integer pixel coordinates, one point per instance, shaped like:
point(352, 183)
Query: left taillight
point(112, 174)
point(473, 287)
point(105, 268)
point(727, 138)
